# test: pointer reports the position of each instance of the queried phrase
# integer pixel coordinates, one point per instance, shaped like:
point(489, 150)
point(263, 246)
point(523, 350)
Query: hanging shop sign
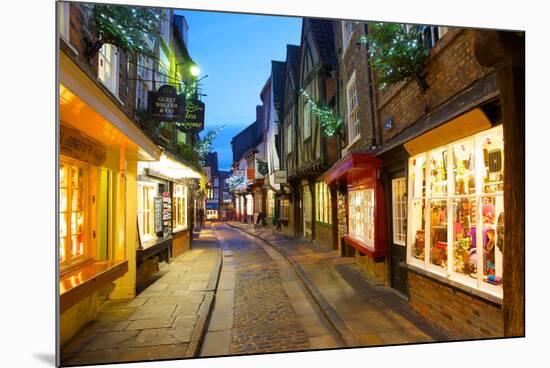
point(280, 176)
point(74, 144)
point(250, 173)
point(166, 105)
point(194, 117)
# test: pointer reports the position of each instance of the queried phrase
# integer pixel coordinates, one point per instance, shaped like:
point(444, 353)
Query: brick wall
point(377, 270)
point(463, 316)
point(80, 36)
point(353, 59)
point(450, 68)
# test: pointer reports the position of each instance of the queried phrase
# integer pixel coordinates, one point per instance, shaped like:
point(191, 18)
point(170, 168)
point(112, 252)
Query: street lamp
point(194, 70)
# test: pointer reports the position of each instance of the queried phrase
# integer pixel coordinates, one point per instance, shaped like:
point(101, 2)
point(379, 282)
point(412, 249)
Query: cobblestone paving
point(372, 312)
point(264, 319)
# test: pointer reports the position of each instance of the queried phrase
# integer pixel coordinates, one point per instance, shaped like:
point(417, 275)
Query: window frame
point(369, 193)
point(306, 109)
point(70, 261)
point(399, 206)
point(477, 197)
point(347, 33)
point(111, 83)
point(153, 187)
point(323, 208)
point(352, 104)
point(180, 207)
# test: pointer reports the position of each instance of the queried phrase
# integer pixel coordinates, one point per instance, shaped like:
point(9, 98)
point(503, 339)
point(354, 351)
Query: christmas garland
point(396, 52)
point(128, 28)
point(330, 124)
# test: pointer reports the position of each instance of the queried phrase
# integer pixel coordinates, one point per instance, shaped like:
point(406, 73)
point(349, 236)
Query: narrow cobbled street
point(244, 290)
point(279, 294)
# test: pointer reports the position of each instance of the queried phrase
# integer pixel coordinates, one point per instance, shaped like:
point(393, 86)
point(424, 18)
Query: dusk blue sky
point(235, 51)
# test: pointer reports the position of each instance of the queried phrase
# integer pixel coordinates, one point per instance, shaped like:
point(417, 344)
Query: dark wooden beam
point(505, 52)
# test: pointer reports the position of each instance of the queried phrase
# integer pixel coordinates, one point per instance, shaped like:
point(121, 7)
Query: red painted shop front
point(357, 175)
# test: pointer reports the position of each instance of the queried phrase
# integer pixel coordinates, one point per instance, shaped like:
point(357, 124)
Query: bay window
point(72, 212)
point(361, 215)
point(146, 201)
point(180, 207)
point(456, 209)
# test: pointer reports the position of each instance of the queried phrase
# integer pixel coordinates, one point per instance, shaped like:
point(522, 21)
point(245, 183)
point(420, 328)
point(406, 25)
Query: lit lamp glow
point(194, 70)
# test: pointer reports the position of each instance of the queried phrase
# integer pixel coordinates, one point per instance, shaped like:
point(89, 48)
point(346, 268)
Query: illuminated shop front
point(99, 147)
point(361, 212)
point(163, 200)
point(456, 211)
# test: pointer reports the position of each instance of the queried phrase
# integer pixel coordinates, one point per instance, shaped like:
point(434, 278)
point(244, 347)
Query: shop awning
point(168, 168)
point(351, 164)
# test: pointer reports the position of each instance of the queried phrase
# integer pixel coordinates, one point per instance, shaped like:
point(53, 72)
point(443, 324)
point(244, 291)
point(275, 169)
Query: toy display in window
point(464, 260)
point(438, 233)
point(417, 224)
point(493, 159)
point(463, 168)
point(438, 172)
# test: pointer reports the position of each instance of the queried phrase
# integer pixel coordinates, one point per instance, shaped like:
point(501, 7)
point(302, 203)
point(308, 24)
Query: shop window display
point(72, 213)
point(180, 207)
point(322, 210)
point(361, 215)
point(463, 210)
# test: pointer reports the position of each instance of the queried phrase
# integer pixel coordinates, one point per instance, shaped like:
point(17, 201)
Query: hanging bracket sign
point(166, 105)
point(194, 117)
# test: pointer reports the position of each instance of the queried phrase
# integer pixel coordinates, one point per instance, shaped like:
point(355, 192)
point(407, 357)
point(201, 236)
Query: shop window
point(285, 209)
point(353, 110)
point(270, 203)
point(180, 207)
point(257, 200)
point(108, 66)
point(146, 201)
point(250, 204)
point(463, 210)
point(361, 215)
point(323, 210)
point(72, 213)
point(399, 211)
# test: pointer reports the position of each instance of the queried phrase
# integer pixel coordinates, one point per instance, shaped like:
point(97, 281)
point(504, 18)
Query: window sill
point(179, 229)
point(372, 252)
point(83, 281)
point(68, 44)
point(446, 281)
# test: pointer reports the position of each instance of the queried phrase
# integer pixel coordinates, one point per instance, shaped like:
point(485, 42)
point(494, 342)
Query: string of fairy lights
point(330, 124)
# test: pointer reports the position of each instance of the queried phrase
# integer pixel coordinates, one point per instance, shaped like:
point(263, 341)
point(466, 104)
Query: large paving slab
point(165, 321)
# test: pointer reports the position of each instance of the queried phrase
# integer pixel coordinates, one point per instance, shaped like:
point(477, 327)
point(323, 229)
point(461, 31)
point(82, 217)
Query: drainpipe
point(375, 140)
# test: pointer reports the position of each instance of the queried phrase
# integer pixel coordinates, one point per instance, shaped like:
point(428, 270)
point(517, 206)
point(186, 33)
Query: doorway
point(398, 240)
